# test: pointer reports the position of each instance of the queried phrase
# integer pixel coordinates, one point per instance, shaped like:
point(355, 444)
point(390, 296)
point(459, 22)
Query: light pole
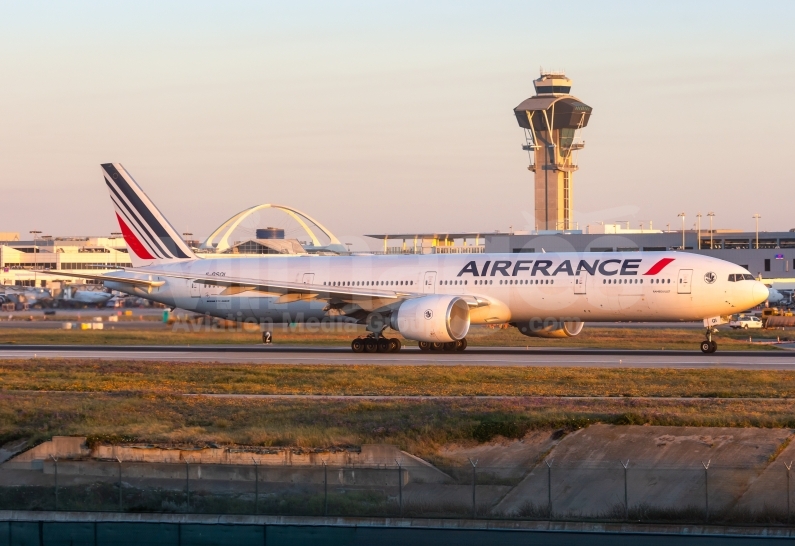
point(757, 216)
point(35, 258)
point(711, 215)
point(698, 222)
point(682, 215)
point(46, 238)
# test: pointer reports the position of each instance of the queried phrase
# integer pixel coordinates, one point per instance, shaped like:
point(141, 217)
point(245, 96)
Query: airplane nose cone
point(759, 293)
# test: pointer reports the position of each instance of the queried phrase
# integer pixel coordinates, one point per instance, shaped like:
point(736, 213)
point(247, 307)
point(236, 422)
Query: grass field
point(169, 378)
point(145, 402)
point(420, 427)
point(186, 334)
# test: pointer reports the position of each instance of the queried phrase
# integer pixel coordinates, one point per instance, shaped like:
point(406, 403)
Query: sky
point(378, 117)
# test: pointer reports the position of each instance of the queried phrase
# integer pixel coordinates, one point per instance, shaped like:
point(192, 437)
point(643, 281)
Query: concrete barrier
point(60, 447)
point(167, 463)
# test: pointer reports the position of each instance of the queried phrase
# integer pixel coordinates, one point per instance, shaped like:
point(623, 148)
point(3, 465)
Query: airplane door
point(580, 282)
point(195, 289)
point(429, 285)
point(685, 279)
point(309, 278)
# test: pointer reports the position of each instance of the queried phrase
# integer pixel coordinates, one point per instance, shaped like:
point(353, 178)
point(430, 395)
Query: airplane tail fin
point(150, 238)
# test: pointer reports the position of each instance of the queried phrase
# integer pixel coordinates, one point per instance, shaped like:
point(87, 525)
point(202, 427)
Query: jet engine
point(550, 328)
point(434, 318)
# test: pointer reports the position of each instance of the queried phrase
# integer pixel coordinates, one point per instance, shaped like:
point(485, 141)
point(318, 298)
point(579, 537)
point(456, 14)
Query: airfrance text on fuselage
point(509, 268)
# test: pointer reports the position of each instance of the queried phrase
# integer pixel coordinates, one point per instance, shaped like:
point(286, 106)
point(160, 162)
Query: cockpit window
point(735, 277)
point(748, 277)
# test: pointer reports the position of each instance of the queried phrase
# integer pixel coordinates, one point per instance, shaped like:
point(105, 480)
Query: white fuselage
point(588, 287)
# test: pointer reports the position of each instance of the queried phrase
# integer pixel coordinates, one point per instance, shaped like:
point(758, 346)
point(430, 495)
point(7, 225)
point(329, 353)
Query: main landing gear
point(371, 344)
point(708, 346)
point(450, 347)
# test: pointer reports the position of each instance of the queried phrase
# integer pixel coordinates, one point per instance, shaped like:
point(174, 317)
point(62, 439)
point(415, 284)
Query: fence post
point(55, 461)
point(187, 486)
point(256, 486)
point(325, 489)
point(474, 485)
point(626, 497)
point(788, 467)
point(706, 488)
point(121, 498)
point(549, 487)
point(400, 486)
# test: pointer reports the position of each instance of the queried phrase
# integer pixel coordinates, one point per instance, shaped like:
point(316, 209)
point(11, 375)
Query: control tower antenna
point(552, 120)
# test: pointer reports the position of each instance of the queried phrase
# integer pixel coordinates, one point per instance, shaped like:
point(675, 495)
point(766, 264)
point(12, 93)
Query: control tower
point(552, 121)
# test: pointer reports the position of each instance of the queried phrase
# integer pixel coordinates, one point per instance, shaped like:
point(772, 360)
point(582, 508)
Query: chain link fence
point(620, 491)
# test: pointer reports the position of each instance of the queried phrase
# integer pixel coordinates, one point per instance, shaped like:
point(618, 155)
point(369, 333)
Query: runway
point(481, 356)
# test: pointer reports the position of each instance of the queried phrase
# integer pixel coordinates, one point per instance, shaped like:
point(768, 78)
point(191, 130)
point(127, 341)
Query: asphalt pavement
point(480, 356)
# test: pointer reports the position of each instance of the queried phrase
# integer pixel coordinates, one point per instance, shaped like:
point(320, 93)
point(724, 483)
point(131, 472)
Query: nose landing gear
point(708, 346)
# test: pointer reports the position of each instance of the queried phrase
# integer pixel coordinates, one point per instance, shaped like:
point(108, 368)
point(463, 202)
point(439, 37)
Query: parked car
point(745, 322)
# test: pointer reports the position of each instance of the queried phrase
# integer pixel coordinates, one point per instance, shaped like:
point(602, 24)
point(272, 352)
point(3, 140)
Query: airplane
point(77, 297)
point(775, 296)
point(432, 299)
point(24, 294)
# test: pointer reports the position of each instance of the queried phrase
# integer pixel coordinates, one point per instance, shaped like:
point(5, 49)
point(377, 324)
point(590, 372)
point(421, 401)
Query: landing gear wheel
point(395, 345)
point(384, 345)
point(437, 346)
point(424, 346)
point(450, 346)
point(708, 346)
point(370, 345)
point(357, 345)
point(461, 345)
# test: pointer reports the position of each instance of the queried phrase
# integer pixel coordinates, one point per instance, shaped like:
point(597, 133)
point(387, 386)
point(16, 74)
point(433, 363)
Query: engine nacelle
point(434, 318)
point(550, 328)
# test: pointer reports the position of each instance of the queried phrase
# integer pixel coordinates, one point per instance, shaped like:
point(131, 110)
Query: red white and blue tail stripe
point(149, 237)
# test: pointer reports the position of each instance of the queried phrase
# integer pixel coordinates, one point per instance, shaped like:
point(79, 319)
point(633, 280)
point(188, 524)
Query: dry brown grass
point(419, 426)
point(363, 379)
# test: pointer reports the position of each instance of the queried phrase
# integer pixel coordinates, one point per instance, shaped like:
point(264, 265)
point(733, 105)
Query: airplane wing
point(107, 277)
point(286, 291)
point(236, 285)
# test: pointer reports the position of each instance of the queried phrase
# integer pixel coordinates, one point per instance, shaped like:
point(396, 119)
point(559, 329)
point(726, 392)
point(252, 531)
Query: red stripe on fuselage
point(132, 241)
point(656, 268)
